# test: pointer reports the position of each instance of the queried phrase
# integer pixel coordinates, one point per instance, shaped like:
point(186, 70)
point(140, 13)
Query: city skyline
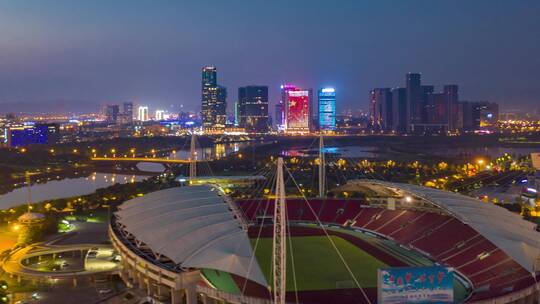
point(270, 152)
point(51, 62)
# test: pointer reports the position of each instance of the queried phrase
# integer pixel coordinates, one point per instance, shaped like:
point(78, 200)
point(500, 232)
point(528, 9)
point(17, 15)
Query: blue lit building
point(27, 135)
point(327, 109)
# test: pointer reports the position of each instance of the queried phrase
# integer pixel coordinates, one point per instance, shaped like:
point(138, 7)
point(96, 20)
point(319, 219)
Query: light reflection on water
point(65, 188)
point(347, 151)
point(217, 151)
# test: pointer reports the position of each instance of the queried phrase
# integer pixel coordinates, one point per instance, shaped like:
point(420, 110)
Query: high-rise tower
point(327, 109)
point(414, 99)
point(213, 106)
point(253, 108)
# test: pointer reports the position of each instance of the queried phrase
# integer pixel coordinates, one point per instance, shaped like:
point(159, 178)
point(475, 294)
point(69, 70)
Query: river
point(64, 188)
point(69, 187)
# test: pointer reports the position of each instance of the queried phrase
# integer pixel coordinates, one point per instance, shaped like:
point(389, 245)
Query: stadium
point(194, 244)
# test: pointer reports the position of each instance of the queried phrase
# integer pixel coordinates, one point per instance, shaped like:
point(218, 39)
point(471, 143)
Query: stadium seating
point(446, 239)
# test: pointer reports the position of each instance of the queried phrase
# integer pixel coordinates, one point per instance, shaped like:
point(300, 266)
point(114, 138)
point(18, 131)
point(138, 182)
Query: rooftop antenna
point(279, 249)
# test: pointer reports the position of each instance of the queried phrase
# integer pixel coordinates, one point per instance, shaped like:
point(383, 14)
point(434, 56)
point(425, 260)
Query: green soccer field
point(317, 264)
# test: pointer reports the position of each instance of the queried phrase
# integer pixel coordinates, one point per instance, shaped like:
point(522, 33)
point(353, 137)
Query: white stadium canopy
point(507, 230)
point(194, 227)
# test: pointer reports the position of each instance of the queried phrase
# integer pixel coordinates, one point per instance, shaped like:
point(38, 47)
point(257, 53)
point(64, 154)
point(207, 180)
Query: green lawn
point(318, 266)
point(221, 280)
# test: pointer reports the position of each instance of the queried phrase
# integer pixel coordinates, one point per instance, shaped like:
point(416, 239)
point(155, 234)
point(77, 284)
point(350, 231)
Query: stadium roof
point(194, 227)
point(507, 230)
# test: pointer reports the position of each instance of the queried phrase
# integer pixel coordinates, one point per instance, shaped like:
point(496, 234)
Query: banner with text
point(433, 284)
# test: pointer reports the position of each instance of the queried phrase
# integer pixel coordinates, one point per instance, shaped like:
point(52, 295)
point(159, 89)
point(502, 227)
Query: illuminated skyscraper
point(327, 109)
point(220, 107)
point(280, 118)
point(142, 113)
point(297, 110)
point(381, 109)
point(159, 114)
point(213, 106)
point(128, 112)
point(111, 113)
point(253, 108)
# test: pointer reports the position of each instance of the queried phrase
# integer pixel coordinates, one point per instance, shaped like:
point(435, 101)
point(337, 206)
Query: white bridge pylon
point(279, 249)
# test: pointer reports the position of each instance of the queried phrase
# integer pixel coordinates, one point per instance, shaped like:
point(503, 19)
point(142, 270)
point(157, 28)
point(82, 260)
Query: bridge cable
point(332, 242)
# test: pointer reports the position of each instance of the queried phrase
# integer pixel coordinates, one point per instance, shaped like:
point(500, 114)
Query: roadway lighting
point(480, 161)
point(16, 227)
point(23, 150)
point(51, 150)
point(75, 150)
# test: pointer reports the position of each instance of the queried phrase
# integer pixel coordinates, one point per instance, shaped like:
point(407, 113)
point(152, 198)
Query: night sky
point(79, 54)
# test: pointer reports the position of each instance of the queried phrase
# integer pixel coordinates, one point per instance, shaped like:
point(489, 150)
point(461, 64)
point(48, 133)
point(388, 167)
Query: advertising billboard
point(433, 284)
point(298, 111)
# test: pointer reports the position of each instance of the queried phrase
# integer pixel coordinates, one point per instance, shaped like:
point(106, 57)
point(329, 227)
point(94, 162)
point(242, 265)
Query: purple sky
point(77, 54)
